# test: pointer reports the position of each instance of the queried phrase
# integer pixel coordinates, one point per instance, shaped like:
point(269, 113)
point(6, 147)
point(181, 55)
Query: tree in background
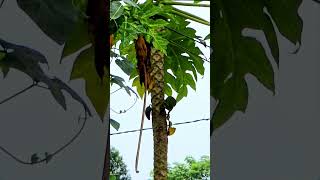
point(191, 169)
point(118, 169)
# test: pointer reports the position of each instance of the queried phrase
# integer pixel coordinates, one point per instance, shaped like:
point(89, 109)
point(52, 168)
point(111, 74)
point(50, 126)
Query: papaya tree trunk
point(159, 124)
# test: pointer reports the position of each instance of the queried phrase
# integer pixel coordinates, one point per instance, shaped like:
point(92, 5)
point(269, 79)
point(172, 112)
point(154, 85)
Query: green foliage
point(68, 24)
point(28, 61)
point(184, 57)
point(73, 42)
point(114, 124)
point(191, 169)
point(151, 21)
point(97, 90)
point(2, 55)
point(235, 55)
point(118, 169)
point(169, 103)
point(116, 10)
point(55, 17)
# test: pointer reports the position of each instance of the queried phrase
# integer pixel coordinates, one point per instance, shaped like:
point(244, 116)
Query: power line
point(186, 122)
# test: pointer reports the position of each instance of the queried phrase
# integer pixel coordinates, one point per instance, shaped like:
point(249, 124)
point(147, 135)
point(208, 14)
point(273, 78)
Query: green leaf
point(27, 61)
point(115, 124)
point(140, 88)
point(116, 10)
point(170, 79)
point(56, 18)
point(120, 82)
point(113, 177)
point(189, 80)
point(179, 64)
point(156, 24)
point(183, 92)
point(131, 3)
point(167, 89)
point(97, 91)
point(150, 11)
point(126, 66)
point(148, 112)
point(2, 55)
point(207, 37)
point(159, 42)
point(170, 102)
point(78, 39)
point(236, 55)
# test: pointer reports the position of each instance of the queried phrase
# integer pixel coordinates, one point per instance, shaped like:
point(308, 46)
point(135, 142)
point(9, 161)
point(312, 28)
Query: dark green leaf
point(140, 88)
point(27, 61)
point(116, 10)
point(115, 124)
point(148, 112)
point(55, 17)
point(97, 91)
point(170, 102)
point(207, 37)
point(113, 177)
point(78, 39)
point(126, 66)
point(167, 89)
point(236, 55)
point(131, 3)
point(189, 80)
point(183, 92)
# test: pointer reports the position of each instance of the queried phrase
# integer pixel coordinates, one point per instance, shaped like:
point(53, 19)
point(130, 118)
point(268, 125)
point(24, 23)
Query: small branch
point(126, 110)
point(189, 52)
point(185, 4)
point(48, 156)
point(18, 93)
point(116, 90)
point(194, 39)
point(189, 16)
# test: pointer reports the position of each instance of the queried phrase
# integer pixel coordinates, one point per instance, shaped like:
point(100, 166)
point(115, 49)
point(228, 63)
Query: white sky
point(189, 139)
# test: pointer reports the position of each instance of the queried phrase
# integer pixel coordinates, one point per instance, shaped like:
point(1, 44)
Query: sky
point(188, 140)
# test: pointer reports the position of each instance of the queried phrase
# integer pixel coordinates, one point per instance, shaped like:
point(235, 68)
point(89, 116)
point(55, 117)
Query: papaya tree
point(175, 61)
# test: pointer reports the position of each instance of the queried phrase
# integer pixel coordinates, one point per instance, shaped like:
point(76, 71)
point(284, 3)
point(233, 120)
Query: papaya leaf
point(126, 66)
point(97, 91)
point(207, 37)
point(181, 60)
point(139, 87)
point(27, 61)
point(169, 103)
point(116, 10)
point(56, 18)
point(236, 55)
point(78, 39)
point(120, 82)
point(115, 124)
point(131, 3)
